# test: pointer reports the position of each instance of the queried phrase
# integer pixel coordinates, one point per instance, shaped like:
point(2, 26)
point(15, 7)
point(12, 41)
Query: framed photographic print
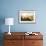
point(27, 16)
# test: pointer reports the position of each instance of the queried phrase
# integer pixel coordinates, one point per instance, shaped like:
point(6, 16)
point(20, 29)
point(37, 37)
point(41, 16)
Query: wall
point(10, 8)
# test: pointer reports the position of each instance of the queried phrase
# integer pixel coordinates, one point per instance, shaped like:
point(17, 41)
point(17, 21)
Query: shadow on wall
point(2, 21)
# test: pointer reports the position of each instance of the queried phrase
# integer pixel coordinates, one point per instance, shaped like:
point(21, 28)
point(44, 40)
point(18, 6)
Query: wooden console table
point(20, 39)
